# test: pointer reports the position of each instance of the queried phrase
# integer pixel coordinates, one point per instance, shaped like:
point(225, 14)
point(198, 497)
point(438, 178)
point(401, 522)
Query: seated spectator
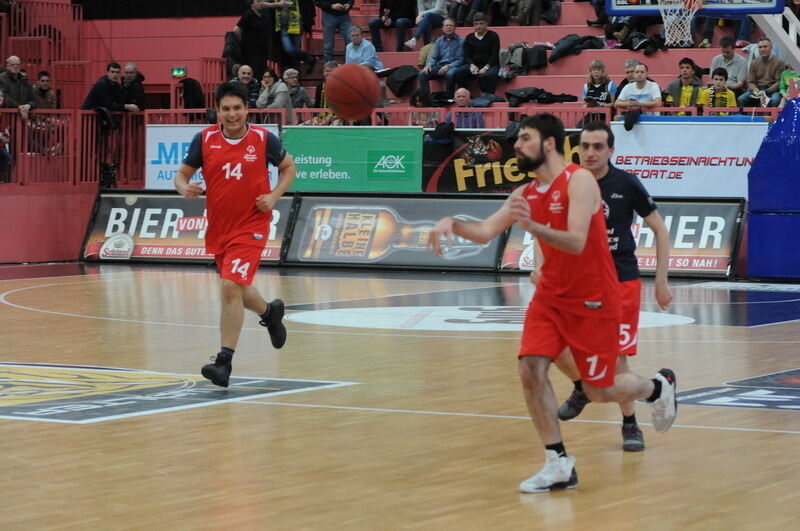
point(5, 139)
point(464, 119)
point(430, 15)
point(742, 28)
point(132, 88)
point(321, 100)
point(426, 119)
point(763, 78)
point(463, 11)
point(718, 94)
point(107, 92)
point(16, 89)
point(244, 75)
point(44, 96)
point(361, 51)
point(599, 90)
point(733, 63)
point(399, 14)
point(788, 76)
point(300, 97)
point(447, 56)
point(642, 93)
point(481, 52)
point(630, 66)
point(275, 94)
point(529, 12)
point(683, 92)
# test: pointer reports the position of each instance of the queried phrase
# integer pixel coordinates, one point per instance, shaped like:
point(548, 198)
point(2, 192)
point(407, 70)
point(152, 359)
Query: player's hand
point(443, 228)
point(192, 191)
point(536, 274)
point(520, 209)
point(663, 295)
point(265, 202)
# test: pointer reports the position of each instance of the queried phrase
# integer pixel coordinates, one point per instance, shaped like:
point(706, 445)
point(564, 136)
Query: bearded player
point(577, 301)
point(234, 156)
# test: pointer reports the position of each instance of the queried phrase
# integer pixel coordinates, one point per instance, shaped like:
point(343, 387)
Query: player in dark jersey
point(577, 301)
point(239, 200)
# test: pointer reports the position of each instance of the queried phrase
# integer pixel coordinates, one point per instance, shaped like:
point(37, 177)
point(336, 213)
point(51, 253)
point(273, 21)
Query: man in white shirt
point(733, 63)
point(639, 94)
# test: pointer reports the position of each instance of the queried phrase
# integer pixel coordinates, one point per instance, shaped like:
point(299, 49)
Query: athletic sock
point(656, 391)
point(558, 448)
point(578, 385)
point(629, 419)
point(227, 351)
point(265, 314)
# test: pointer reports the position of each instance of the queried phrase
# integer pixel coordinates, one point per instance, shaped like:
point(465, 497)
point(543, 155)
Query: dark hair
point(727, 42)
point(600, 126)
point(479, 16)
point(43, 73)
point(111, 65)
point(686, 61)
point(719, 71)
point(230, 89)
point(548, 126)
point(271, 71)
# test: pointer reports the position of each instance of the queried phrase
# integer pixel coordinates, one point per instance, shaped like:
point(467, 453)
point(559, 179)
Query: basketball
point(352, 91)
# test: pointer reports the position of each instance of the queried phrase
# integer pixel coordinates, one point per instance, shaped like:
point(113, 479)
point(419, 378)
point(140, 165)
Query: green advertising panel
point(356, 159)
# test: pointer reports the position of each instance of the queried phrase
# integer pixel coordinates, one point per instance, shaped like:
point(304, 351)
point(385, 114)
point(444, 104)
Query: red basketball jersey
point(583, 283)
point(235, 175)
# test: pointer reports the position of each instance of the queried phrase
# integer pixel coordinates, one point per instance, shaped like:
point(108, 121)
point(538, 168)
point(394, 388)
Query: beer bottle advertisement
point(387, 231)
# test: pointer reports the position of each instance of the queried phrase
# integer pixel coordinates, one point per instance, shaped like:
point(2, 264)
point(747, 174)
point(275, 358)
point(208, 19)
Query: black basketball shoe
point(274, 324)
point(218, 372)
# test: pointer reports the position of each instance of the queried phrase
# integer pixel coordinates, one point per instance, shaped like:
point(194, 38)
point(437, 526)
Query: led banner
point(355, 159)
point(478, 162)
point(687, 159)
point(703, 236)
point(164, 228)
point(388, 231)
point(166, 147)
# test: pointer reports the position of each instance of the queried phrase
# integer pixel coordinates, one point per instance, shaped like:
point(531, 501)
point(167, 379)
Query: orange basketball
point(352, 91)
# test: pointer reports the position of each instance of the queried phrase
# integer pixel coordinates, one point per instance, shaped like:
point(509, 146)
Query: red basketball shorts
point(239, 263)
point(631, 295)
point(593, 340)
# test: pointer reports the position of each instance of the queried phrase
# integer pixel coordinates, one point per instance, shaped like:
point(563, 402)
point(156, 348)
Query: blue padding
point(772, 249)
point(774, 179)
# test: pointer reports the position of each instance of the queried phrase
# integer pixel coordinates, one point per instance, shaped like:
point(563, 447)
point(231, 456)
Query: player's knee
point(597, 394)
point(533, 371)
point(230, 291)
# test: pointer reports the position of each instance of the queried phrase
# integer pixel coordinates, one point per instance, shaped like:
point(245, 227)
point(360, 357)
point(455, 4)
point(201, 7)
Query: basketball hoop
point(677, 16)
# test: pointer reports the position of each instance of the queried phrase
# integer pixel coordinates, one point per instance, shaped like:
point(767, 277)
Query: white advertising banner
point(686, 159)
point(165, 148)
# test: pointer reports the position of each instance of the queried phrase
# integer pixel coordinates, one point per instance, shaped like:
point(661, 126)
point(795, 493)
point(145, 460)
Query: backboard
point(717, 8)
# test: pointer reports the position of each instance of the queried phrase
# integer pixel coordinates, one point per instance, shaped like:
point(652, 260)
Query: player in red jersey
point(239, 200)
point(576, 302)
point(623, 195)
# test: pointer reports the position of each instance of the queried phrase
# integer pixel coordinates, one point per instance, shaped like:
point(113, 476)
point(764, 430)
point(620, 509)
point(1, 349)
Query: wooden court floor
point(395, 404)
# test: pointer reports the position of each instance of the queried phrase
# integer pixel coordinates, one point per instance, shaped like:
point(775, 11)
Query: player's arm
point(538, 262)
point(476, 231)
point(183, 179)
point(659, 228)
point(584, 200)
point(287, 170)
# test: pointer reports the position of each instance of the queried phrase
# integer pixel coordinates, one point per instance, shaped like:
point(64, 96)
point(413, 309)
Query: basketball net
point(677, 16)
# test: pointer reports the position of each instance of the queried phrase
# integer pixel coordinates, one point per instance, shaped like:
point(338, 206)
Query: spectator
point(292, 20)
point(275, 94)
point(335, 16)
point(132, 88)
point(683, 92)
point(481, 52)
point(464, 119)
point(599, 90)
point(5, 139)
point(253, 30)
point(44, 96)
point(16, 89)
point(361, 51)
point(742, 28)
point(641, 93)
point(733, 63)
point(630, 66)
point(529, 12)
point(321, 100)
point(463, 11)
point(718, 95)
point(788, 76)
point(397, 14)
point(430, 15)
point(447, 56)
point(763, 78)
point(298, 94)
point(244, 75)
point(107, 92)
point(427, 119)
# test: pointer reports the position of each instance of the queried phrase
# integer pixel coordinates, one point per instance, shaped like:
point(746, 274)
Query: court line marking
point(507, 417)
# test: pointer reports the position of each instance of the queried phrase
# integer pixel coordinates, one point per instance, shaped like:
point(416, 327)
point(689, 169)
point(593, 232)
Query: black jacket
point(325, 5)
point(106, 94)
point(133, 92)
point(399, 9)
point(17, 91)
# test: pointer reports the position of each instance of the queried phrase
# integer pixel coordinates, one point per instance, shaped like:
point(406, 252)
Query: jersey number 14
point(233, 171)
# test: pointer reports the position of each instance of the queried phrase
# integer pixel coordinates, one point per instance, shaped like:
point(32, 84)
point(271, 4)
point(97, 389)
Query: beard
point(527, 164)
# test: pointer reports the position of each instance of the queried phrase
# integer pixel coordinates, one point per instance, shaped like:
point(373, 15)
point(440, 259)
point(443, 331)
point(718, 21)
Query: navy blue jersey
point(623, 195)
